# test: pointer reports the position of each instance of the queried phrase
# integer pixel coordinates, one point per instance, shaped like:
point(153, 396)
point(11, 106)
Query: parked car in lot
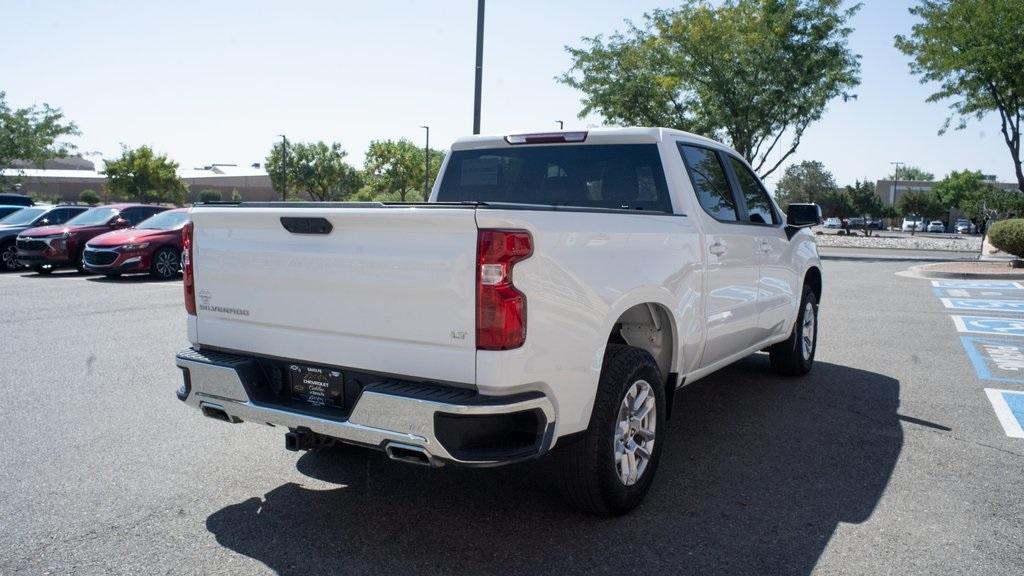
point(874, 224)
point(964, 226)
point(467, 330)
point(936, 226)
point(833, 223)
point(6, 209)
point(11, 198)
point(154, 247)
point(855, 222)
point(24, 219)
point(47, 248)
point(912, 225)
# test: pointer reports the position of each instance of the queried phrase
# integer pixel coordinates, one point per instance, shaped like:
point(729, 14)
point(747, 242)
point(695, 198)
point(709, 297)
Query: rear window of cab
point(621, 177)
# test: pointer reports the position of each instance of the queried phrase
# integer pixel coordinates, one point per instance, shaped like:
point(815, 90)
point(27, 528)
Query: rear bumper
point(449, 424)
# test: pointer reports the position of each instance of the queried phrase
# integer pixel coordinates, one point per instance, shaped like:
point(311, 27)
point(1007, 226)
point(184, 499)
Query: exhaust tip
point(218, 413)
point(409, 454)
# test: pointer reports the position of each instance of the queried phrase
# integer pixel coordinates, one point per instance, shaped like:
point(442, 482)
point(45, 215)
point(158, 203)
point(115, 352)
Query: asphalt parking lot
point(889, 458)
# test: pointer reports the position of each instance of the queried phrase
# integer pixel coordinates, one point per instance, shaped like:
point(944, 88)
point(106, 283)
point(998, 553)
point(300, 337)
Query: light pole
point(895, 183)
point(561, 125)
point(284, 167)
point(426, 164)
point(479, 64)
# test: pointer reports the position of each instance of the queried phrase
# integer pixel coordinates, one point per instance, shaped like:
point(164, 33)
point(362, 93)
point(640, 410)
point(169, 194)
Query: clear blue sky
point(215, 81)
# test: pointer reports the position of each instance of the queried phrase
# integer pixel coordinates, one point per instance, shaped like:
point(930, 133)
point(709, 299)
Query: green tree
point(394, 169)
point(748, 71)
point(316, 168)
point(210, 195)
point(911, 173)
point(974, 50)
point(953, 190)
point(236, 196)
point(835, 204)
point(807, 181)
point(864, 201)
point(144, 176)
point(89, 197)
point(917, 204)
point(32, 134)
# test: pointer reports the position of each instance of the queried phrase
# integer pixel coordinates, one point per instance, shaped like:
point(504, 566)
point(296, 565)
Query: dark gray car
point(29, 217)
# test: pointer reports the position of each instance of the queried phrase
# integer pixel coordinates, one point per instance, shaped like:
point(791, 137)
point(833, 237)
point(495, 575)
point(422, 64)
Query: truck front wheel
point(609, 470)
point(794, 356)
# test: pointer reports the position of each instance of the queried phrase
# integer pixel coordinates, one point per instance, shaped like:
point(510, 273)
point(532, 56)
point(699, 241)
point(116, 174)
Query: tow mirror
point(801, 216)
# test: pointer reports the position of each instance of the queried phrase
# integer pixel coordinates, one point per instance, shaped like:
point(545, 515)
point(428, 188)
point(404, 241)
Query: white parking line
point(1008, 417)
point(990, 284)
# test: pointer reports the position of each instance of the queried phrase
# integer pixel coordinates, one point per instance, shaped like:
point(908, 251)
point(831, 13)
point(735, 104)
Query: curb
point(873, 258)
point(943, 275)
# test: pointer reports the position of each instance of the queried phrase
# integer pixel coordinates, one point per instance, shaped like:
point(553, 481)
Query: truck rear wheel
point(794, 356)
point(609, 470)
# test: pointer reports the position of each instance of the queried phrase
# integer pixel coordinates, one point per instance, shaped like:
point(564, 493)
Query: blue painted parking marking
point(995, 359)
point(989, 325)
point(1004, 294)
point(989, 284)
point(1009, 407)
point(983, 304)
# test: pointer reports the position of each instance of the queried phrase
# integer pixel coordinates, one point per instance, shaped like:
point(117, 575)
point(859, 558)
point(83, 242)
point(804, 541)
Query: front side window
point(710, 183)
point(22, 217)
point(62, 215)
point(624, 176)
point(759, 206)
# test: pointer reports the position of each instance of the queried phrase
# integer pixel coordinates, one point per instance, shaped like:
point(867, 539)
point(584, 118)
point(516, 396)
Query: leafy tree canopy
point(318, 169)
point(144, 176)
point(863, 199)
point(807, 181)
point(974, 51)
point(749, 71)
point(33, 134)
point(911, 173)
point(395, 169)
point(954, 189)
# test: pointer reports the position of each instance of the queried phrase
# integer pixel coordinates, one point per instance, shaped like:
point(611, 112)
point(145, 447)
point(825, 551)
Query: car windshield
point(164, 221)
point(627, 176)
point(93, 217)
point(23, 216)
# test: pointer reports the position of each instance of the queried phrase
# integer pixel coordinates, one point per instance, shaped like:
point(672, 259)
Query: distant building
point(66, 178)
point(890, 191)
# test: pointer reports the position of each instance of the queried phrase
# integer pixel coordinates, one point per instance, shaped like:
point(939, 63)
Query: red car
point(154, 246)
point(47, 248)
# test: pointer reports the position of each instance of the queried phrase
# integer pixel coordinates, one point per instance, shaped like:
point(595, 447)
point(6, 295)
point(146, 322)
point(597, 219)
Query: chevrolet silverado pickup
point(551, 296)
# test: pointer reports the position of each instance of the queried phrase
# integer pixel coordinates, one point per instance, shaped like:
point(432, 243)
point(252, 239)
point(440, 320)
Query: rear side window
point(759, 206)
point(62, 215)
point(624, 176)
point(710, 183)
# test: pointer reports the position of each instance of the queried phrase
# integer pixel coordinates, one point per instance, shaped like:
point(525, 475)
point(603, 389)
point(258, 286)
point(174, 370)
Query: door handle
point(717, 248)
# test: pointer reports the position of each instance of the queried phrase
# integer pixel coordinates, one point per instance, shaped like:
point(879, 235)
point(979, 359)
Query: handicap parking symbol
point(989, 325)
point(996, 359)
point(984, 304)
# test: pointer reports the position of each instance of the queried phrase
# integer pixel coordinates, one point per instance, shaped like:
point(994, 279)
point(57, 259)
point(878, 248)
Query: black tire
point(42, 271)
point(791, 357)
point(588, 476)
point(8, 257)
point(80, 261)
point(159, 268)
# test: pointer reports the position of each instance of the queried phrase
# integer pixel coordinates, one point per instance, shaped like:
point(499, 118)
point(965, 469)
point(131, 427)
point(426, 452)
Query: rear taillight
point(500, 307)
point(187, 273)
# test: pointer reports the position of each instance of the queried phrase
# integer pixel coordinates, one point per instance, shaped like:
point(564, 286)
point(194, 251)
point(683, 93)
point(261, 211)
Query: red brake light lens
point(500, 307)
point(188, 277)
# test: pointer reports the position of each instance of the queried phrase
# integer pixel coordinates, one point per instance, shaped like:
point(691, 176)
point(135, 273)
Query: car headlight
point(133, 247)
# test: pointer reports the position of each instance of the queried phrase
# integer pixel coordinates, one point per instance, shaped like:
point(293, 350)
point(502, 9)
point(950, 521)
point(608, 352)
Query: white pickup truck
point(555, 290)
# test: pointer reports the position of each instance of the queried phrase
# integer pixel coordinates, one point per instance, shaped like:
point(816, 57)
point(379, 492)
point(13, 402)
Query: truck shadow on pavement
point(756, 474)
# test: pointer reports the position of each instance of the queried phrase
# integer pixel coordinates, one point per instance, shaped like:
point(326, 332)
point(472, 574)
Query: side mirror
point(803, 215)
point(119, 223)
point(44, 222)
point(800, 216)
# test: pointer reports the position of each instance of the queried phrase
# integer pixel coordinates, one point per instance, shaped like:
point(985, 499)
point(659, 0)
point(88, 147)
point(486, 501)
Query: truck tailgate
point(388, 289)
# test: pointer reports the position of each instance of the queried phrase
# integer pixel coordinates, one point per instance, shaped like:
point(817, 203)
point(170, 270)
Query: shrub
point(1008, 236)
point(89, 197)
point(236, 196)
point(210, 196)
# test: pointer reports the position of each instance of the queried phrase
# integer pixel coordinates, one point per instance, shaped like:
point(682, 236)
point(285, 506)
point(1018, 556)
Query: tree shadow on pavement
point(756, 473)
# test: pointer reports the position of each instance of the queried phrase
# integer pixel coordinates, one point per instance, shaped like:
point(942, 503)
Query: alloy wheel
point(635, 432)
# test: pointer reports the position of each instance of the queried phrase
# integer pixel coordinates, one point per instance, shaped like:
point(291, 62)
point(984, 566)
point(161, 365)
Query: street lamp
point(479, 64)
point(895, 183)
point(426, 163)
point(561, 125)
point(284, 167)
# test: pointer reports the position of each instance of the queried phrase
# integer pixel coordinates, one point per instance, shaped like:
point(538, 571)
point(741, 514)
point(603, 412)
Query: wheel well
point(648, 327)
point(813, 279)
